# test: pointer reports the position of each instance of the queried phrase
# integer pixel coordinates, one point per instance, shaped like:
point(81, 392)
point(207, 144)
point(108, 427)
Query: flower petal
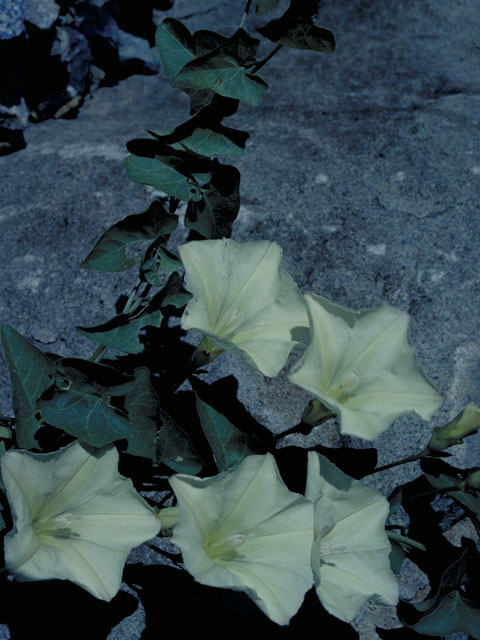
point(350, 560)
point(273, 527)
point(75, 517)
point(363, 366)
point(243, 299)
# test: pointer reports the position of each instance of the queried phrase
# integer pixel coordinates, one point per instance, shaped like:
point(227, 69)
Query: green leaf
point(81, 401)
point(86, 416)
point(214, 215)
point(229, 445)
point(442, 475)
point(174, 447)
point(121, 332)
point(142, 405)
point(296, 29)
point(212, 143)
point(396, 557)
point(109, 254)
point(224, 75)
point(31, 373)
point(176, 46)
point(173, 294)
point(158, 257)
point(451, 609)
point(451, 614)
point(264, 6)
point(154, 172)
point(91, 376)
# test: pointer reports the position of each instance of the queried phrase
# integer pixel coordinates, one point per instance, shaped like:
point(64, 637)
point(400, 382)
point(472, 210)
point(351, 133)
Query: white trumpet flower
point(245, 530)
point(362, 366)
point(244, 300)
point(75, 517)
point(350, 554)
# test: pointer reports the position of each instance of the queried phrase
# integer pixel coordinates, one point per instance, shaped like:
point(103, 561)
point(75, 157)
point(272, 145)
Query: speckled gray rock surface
point(12, 15)
point(363, 165)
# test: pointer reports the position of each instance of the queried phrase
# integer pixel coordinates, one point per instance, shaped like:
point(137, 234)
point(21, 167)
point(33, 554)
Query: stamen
point(225, 549)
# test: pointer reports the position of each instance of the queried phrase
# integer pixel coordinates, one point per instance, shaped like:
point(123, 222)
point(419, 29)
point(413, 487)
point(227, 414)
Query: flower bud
point(466, 423)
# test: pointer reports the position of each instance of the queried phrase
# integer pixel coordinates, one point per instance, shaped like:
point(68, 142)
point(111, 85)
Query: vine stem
point(245, 13)
point(413, 458)
point(263, 62)
point(97, 353)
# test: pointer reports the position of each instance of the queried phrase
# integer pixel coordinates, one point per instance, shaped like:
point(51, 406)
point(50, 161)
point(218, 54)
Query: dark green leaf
point(450, 614)
point(142, 405)
point(91, 376)
point(213, 143)
point(396, 557)
point(85, 415)
point(176, 46)
point(296, 29)
point(451, 609)
point(173, 294)
point(229, 445)
point(122, 332)
point(31, 373)
point(264, 6)
point(109, 254)
point(214, 215)
point(442, 475)
point(224, 75)
point(153, 172)
point(158, 257)
point(174, 447)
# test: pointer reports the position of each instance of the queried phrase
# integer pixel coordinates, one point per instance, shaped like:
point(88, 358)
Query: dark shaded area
point(49, 71)
point(190, 608)
point(57, 610)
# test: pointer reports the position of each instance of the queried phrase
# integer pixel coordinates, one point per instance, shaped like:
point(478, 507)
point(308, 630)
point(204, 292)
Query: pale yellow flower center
point(345, 386)
point(58, 526)
point(225, 549)
point(229, 323)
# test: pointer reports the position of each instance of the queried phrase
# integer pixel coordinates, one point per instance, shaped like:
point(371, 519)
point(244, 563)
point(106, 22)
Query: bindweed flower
point(244, 300)
point(363, 367)
point(244, 530)
point(75, 517)
point(350, 553)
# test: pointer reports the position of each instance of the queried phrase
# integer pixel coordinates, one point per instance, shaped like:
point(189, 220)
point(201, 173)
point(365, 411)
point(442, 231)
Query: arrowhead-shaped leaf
point(174, 447)
point(451, 609)
point(224, 75)
point(143, 409)
point(213, 143)
point(81, 402)
point(173, 294)
point(229, 445)
point(163, 177)
point(109, 254)
point(31, 373)
point(86, 416)
point(158, 257)
point(214, 215)
point(122, 332)
point(176, 46)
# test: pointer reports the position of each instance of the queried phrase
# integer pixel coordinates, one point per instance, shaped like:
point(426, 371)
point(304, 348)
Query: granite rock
point(12, 15)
